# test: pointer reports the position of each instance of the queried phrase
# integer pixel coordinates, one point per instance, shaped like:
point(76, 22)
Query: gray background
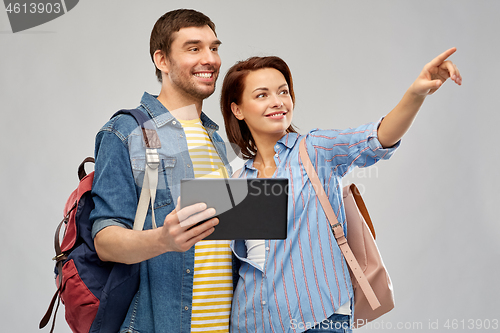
point(433, 203)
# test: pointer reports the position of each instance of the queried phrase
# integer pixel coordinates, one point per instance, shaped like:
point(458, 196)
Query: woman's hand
point(435, 73)
point(399, 120)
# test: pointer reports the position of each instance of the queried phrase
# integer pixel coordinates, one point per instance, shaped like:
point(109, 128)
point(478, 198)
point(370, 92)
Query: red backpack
point(96, 294)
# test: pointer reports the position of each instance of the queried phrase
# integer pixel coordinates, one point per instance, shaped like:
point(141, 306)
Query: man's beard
point(188, 85)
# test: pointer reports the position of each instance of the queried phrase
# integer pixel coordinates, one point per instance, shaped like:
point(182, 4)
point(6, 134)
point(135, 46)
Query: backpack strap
point(150, 182)
point(337, 229)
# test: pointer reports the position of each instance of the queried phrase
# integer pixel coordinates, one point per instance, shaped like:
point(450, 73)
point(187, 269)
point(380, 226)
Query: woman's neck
point(264, 159)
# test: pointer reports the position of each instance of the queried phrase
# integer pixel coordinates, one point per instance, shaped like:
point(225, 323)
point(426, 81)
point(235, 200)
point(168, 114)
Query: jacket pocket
point(165, 178)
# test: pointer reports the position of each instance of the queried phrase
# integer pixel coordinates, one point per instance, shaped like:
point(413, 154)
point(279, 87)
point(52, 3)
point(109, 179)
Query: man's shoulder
point(121, 124)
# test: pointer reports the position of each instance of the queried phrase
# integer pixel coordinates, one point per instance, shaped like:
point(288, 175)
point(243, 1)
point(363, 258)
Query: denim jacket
point(163, 302)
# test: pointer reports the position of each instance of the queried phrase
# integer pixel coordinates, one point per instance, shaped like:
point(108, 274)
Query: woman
point(302, 283)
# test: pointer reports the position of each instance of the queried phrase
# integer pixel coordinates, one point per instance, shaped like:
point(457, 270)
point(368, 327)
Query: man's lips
point(204, 75)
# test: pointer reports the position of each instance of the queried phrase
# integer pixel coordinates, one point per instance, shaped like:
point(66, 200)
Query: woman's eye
point(261, 95)
point(284, 92)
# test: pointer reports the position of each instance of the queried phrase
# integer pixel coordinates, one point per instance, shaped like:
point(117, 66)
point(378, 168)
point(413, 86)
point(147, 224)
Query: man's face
point(194, 62)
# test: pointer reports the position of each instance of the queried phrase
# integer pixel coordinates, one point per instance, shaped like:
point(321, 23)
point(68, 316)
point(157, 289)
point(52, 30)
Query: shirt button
point(188, 271)
point(276, 155)
point(186, 308)
point(277, 147)
point(267, 248)
point(263, 302)
point(181, 136)
point(189, 165)
point(174, 122)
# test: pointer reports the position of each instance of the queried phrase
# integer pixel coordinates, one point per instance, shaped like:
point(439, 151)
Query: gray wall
point(433, 203)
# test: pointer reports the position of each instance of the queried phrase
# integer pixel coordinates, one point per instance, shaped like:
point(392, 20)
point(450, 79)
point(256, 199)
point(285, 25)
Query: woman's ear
point(161, 62)
point(236, 111)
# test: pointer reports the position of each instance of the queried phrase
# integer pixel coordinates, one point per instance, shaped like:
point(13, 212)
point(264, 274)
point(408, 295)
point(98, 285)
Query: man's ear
point(161, 61)
point(237, 111)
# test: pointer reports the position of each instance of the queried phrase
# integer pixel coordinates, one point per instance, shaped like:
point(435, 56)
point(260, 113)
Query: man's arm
point(433, 75)
point(129, 246)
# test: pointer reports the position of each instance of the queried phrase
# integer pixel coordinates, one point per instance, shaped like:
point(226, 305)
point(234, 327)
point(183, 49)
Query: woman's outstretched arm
point(432, 77)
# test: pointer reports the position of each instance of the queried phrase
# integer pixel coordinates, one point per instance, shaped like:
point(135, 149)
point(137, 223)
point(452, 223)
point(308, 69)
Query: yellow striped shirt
point(213, 281)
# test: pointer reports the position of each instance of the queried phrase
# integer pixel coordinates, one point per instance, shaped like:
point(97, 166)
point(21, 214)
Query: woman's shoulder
point(340, 134)
point(319, 136)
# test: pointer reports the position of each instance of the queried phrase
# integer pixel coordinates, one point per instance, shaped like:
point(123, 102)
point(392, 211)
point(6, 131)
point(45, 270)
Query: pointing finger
point(442, 57)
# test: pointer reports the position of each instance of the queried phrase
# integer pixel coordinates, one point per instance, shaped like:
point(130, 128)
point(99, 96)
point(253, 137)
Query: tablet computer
point(250, 208)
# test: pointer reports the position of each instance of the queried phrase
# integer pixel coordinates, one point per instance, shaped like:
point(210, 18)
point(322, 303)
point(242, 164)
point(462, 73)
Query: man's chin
point(205, 93)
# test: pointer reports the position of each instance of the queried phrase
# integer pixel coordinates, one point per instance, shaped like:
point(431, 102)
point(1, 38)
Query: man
point(178, 279)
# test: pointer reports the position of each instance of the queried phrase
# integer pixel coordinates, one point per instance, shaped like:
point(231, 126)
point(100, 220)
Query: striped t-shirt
point(213, 282)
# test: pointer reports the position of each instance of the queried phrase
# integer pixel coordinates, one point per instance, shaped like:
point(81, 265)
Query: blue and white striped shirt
point(305, 278)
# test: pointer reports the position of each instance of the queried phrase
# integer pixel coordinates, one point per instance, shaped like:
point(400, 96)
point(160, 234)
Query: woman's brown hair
point(232, 90)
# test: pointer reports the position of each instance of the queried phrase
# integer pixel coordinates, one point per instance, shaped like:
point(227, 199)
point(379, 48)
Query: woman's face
point(266, 105)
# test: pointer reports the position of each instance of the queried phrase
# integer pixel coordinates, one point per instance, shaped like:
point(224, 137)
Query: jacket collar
point(162, 116)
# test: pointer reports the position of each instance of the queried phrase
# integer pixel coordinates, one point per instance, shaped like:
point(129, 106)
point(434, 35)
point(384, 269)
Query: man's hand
point(119, 244)
point(435, 73)
point(176, 234)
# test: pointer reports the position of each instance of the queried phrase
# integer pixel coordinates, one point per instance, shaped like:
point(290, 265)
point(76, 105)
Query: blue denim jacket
point(163, 302)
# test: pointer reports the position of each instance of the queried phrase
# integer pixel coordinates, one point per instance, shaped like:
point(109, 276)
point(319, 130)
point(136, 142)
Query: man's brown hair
point(163, 31)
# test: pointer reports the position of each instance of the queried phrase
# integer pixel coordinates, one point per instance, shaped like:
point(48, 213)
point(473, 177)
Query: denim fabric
point(163, 302)
point(336, 323)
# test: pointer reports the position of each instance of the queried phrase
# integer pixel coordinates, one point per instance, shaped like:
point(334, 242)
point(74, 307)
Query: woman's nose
point(277, 102)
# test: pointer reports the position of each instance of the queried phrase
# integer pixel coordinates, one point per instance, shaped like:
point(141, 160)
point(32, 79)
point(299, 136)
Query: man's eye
point(215, 49)
point(194, 49)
